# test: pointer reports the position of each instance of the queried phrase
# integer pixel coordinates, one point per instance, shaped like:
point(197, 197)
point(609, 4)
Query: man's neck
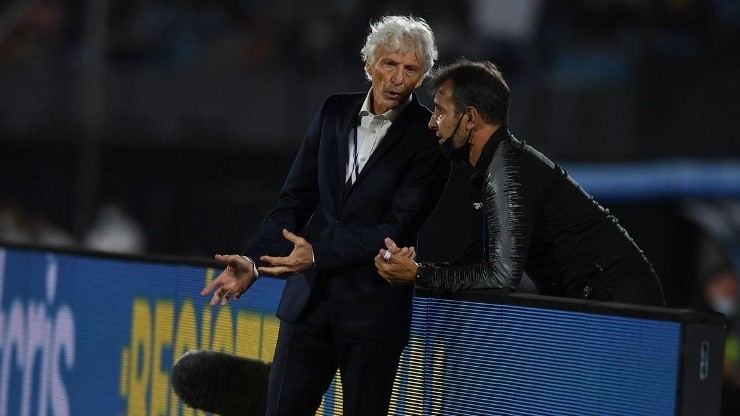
point(478, 141)
point(376, 109)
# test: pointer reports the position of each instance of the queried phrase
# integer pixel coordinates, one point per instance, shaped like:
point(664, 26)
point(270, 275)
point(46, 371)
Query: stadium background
point(187, 114)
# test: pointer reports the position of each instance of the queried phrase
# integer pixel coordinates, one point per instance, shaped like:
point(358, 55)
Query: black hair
point(478, 84)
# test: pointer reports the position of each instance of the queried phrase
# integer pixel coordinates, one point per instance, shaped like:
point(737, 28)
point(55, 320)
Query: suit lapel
point(392, 136)
point(349, 122)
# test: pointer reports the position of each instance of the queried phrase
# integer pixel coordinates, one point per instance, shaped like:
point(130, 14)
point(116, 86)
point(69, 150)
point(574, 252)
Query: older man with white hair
point(368, 168)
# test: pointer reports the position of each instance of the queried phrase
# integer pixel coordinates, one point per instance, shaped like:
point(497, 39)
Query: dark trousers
point(306, 359)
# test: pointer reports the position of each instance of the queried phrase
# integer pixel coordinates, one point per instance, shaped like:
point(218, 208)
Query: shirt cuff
point(254, 268)
point(422, 279)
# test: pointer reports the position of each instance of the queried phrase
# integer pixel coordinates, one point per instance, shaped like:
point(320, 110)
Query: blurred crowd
point(113, 230)
point(578, 40)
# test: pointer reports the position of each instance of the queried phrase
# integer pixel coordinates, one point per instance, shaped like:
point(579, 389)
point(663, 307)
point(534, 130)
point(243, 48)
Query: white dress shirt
point(370, 129)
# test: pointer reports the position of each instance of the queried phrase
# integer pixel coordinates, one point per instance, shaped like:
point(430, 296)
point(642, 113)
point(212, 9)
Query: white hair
point(394, 32)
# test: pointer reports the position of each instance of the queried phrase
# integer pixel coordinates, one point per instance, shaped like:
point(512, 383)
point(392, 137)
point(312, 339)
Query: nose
point(398, 75)
point(433, 123)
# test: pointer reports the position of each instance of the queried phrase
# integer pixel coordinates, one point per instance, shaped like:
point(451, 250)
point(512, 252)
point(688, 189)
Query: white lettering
point(35, 343)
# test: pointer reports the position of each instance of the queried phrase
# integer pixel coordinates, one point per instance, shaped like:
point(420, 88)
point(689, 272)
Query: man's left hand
point(400, 267)
point(300, 259)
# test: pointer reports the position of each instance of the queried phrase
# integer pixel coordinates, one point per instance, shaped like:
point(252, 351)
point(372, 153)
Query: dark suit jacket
point(394, 194)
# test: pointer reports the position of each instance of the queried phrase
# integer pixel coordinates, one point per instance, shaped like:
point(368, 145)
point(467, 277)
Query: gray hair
point(394, 32)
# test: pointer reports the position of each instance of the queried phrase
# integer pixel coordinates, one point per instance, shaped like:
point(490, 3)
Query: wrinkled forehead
point(407, 46)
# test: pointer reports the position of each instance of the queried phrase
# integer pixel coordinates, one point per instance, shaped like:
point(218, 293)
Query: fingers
point(380, 265)
point(386, 254)
point(400, 269)
point(270, 259)
point(232, 260)
point(391, 245)
point(228, 284)
point(273, 271)
point(276, 270)
point(220, 296)
point(223, 259)
point(298, 261)
point(275, 261)
point(406, 252)
point(223, 296)
point(292, 237)
point(214, 299)
point(210, 286)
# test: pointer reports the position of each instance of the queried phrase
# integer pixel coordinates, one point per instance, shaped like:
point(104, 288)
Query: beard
point(455, 154)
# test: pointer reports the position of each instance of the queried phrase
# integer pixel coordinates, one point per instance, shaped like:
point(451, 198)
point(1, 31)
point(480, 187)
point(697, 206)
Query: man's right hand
point(233, 281)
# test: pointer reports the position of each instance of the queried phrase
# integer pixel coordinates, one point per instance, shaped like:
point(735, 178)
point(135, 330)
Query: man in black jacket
point(526, 213)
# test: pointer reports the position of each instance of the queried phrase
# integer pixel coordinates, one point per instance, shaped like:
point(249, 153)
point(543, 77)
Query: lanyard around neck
point(355, 164)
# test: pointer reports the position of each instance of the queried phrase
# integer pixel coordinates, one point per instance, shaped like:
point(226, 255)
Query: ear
point(473, 116)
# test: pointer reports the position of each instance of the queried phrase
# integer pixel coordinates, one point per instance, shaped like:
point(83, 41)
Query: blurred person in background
point(711, 254)
point(526, 214)
point(18, 226)
point(51, 234)
point(114, 230)
point(15, 226)
point(721, 290)
point(368, 168)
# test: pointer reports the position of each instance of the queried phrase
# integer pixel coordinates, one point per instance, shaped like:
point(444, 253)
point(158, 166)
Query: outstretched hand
point(232, 282)
point(396, 265)
point(300, 259)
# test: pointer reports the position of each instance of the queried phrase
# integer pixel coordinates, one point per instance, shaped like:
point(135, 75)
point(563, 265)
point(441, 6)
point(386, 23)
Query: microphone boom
point(221, 383)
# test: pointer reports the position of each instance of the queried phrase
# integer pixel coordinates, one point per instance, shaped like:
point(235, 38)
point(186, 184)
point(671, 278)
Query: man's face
point(394, 76)
point(444, 121)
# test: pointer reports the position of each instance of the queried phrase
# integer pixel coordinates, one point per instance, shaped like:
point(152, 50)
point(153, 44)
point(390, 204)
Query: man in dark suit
point(368, 168)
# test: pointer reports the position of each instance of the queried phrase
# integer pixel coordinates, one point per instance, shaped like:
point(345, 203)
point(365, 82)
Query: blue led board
point(494, 359)
point(88, 335)
point(82, 335)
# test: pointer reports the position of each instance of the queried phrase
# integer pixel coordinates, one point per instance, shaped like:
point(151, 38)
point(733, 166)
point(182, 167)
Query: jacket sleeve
point(297, 200)
point(413, 201)
point(510, 203)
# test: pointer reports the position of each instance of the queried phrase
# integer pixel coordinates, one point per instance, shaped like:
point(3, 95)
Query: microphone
point(221, 383)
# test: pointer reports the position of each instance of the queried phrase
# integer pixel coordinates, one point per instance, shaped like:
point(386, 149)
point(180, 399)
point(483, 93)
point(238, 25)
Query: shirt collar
point(391, 115)
point(489, 149)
